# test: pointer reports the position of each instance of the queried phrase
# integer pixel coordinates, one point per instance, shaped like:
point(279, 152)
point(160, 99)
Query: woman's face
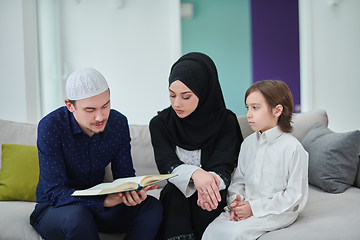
point(182, 99)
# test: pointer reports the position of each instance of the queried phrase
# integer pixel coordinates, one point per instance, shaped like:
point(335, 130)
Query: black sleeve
point(164, 152)
point(223, 155)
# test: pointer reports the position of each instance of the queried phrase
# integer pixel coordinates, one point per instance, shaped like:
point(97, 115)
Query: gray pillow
point(357, 181)
point(333, 158)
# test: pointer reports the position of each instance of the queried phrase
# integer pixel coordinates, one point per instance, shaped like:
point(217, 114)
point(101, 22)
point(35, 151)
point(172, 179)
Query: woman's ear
point(277, 110)
point(69, 105)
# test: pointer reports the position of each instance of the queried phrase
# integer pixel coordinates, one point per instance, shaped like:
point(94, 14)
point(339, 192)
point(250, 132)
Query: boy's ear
point(69, 105)
point(277, 110)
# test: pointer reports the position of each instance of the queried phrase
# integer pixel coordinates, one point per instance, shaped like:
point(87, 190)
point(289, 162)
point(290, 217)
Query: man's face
point(91, 113)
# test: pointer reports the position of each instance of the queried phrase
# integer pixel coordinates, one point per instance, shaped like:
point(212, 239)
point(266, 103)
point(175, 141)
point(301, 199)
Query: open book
point(123, 185)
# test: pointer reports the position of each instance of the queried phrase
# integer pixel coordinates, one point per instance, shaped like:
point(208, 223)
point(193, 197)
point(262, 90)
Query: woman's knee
point(171, 194)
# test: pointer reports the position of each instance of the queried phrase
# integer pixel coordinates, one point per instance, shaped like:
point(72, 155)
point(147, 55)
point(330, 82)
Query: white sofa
point(326, 216)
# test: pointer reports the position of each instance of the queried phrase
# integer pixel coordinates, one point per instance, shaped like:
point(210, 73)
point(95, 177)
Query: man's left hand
point(133, 198)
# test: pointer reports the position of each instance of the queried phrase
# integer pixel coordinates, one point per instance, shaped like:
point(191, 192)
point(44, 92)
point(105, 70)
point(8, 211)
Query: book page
point(128, 186)
point(123, 184)
point(150, 179)
point(116, 182)
point(113, 186)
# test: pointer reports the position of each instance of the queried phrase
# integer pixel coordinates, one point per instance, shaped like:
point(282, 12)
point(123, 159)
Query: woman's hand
point(201, 202)
point(207, 185)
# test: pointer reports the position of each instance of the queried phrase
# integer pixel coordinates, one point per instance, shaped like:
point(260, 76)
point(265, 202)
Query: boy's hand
point(234, 204)
point(240, 210)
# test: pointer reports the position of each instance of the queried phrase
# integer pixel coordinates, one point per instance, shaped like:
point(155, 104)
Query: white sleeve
point(237, 185)
point(182, 180)
point(222, 184)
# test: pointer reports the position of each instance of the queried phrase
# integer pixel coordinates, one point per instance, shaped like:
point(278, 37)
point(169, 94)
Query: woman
point(198, 139)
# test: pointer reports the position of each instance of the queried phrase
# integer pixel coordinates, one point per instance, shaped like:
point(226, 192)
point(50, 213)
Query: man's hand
point(207, 185)
point(240, 210)
point(129, 198)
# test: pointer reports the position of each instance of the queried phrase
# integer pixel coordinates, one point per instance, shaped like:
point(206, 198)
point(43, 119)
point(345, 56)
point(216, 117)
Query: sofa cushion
point(357, 181)
point(141, 152)
point(19, 173)
point(333, 158)
point(325, 216)
point(303, 122)
point(14, 221)
point(244, 126)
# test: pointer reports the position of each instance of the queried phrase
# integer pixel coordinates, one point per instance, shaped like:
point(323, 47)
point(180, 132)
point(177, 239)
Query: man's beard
point(97, 123)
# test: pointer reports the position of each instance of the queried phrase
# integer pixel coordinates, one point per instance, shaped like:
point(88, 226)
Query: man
point(75, 144)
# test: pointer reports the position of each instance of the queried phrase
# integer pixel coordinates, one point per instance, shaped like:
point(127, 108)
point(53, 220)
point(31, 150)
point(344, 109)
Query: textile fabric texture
point(19, 173)
point(333, 158)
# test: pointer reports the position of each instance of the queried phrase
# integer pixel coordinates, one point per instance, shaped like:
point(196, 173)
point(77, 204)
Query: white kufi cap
point(85, 83)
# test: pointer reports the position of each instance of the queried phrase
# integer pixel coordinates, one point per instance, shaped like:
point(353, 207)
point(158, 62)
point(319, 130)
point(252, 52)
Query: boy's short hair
point(276, 92)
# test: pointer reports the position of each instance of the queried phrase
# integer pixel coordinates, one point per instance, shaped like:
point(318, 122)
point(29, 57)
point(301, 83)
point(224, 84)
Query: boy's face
point(91, 113)
point(260, 116)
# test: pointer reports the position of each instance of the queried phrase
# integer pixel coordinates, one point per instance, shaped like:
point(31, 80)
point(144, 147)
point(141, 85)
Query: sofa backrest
point(143, 155)
point(302, 123)
point(141, 148)
point(17, 133)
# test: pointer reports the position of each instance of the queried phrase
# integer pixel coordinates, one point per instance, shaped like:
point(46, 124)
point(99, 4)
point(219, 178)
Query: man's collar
point(77, 129)
point(74, 124)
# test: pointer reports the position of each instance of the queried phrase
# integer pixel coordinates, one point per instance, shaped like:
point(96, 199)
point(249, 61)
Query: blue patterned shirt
point(70, 160)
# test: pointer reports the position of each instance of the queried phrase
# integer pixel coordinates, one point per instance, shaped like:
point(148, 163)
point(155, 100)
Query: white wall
point(12, 68)
point(330, 60)
point(139, 65)
point(133, 45)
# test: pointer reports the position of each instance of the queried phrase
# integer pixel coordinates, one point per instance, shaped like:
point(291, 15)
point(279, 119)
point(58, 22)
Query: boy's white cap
point(85, 83)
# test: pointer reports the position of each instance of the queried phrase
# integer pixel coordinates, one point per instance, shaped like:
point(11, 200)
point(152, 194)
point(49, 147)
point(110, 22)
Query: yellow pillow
point(19, 173)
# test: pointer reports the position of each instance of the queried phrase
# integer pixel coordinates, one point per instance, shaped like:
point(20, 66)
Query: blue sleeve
point(53, 180)
point(122, 165)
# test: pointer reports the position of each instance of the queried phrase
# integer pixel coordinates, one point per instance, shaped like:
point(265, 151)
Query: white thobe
point(272, 175)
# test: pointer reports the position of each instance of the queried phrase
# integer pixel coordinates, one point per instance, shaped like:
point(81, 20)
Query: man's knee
point(78, 215)
point(153, 208)
point(66, 222)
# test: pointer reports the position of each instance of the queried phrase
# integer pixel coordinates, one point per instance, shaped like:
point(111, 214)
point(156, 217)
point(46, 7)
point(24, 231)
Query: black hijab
point(203, 126)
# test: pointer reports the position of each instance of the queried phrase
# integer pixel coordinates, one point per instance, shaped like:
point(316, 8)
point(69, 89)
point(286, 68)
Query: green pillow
point(19, 173)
